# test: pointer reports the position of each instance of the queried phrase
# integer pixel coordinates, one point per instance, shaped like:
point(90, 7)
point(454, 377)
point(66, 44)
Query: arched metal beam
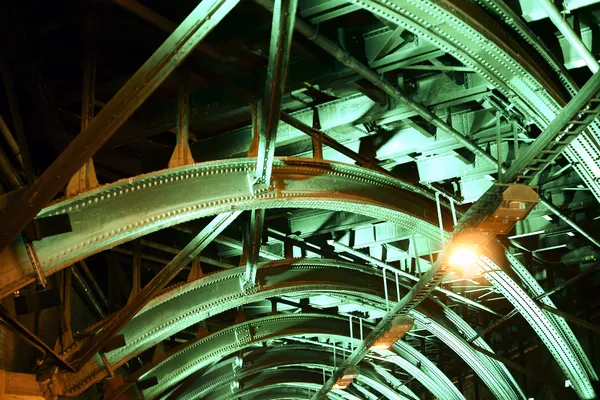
point(188, 304)
point(121, 211)
point(99, 215)
point(289, 385)
point(282, 356)
point(281, 374)
point(201, 352)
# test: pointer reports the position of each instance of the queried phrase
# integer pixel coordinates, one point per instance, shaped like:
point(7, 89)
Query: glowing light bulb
point(463, 257)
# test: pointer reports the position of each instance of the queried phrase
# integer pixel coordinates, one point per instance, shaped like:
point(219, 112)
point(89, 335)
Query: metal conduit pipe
point(94, 284)
point(8, 172)
point(378, 80)
point(563, 26)
point(85, 289)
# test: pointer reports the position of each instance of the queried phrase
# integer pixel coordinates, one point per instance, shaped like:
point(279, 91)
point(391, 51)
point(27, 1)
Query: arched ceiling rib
point(298, 184)
point(110, 215)
point(221, 291)
point(283, 356)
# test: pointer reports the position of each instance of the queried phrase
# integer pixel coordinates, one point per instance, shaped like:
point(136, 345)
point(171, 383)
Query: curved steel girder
point(460, 29)
point(285, 356)
point(278, 387)
point(536, 289)
point(492, 373)
point(551, 336)
point(468, 332)
point(201, 352)
point(463, 30)
point(188, 304)
point(281, 376)
point(121, 211)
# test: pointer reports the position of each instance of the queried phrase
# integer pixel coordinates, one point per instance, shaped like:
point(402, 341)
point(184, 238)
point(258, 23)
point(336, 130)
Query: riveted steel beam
point(204, 297)
point(286, 357)
point(299, 183)
point(280, 356)
point(160, 280)
point(168, 56)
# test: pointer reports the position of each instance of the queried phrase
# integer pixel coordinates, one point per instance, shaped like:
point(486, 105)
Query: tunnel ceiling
point(273, 181)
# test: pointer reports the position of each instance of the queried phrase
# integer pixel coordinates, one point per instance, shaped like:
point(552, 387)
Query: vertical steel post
point(182, 154)
point(439, 215)
point(282, 29)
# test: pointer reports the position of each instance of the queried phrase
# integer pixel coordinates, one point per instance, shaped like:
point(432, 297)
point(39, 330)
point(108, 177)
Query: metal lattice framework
point(125, 210)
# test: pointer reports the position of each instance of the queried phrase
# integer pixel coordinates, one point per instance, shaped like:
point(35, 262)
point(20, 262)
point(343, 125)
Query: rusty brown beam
point(141, 85)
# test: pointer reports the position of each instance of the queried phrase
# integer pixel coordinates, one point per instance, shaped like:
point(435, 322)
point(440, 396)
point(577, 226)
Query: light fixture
point(570, 234)
point(350, 374)
point(517, 202)
point(463, 256)
point(400, 325)
point(547, 217)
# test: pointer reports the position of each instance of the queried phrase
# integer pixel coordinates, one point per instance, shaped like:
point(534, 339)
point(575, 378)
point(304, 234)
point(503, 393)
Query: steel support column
point(98, 342)
point(282, 29)
point(143, 83)
point(85, 178)
point(182, 154)
point(253, 243)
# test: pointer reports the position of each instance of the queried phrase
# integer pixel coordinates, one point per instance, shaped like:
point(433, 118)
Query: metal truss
point(184, 204)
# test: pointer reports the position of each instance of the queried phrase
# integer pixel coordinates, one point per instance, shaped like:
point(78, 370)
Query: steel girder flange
point(461, 29)
point(286, 356)
point(124, 210)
